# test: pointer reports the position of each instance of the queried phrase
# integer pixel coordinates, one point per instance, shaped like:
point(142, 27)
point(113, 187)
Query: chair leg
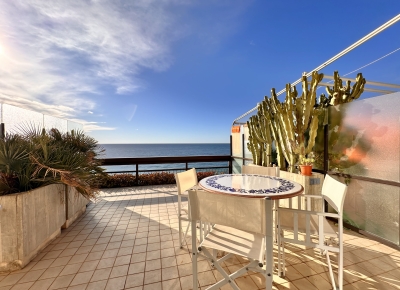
point(226, 278)
point(281, 250)
point(183, 235)
point(283, 260)
point(194, 255)
point(180, 232)
point(179, 220)
point(186, 232)
point(276, 220)
point(331, 271)
point(340, 270)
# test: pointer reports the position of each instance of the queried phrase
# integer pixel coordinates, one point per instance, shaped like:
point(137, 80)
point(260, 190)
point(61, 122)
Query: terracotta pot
point(306, 170)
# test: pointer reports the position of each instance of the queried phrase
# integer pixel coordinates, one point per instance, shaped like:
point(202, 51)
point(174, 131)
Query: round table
point(252, 185)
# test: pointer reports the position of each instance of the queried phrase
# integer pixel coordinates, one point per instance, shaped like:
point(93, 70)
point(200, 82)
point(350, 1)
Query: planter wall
point(75, 205)
point(312, 186)
point(29, 221)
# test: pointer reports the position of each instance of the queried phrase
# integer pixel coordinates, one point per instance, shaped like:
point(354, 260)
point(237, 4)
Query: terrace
point(128, 239)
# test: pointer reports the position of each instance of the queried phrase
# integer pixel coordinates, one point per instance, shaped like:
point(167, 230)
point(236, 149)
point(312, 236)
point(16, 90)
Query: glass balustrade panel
point(374, 208)
point(74, 126)
point(16, 119)
point(237, 165)
point(51, 122)
point(364, 137)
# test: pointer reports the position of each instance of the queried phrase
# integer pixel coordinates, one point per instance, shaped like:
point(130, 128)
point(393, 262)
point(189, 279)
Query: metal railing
point(186, 160)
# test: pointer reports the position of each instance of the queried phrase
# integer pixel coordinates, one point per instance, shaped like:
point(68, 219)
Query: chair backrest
point(186, 180)
point(334, 193)
point(251, 169)
point(247, 214)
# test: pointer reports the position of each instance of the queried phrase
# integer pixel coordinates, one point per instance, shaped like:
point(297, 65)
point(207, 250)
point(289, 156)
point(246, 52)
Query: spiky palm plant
point(37, 158)
point(15, 167)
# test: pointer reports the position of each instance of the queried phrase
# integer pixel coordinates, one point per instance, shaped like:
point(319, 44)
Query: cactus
point(340, 94)
point(260, 141)
point(297, 119)
point(293, 124)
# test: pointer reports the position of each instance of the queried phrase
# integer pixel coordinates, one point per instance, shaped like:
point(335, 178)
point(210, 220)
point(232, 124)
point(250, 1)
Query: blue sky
point(176, 71)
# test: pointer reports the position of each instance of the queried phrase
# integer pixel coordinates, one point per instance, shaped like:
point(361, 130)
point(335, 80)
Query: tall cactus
point(260, 141)
point(296, 118)
point(340, 94)
point(293, 124)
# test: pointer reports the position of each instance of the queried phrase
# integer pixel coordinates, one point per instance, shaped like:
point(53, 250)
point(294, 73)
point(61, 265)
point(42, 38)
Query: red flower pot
point(306, 170)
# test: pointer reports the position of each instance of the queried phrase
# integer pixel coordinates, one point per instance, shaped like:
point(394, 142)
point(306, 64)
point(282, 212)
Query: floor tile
point(130, 240)
point(116, 283)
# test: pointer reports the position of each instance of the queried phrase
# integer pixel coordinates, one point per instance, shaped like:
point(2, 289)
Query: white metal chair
point(314, 227)
point(184, 181)
point(233, 225)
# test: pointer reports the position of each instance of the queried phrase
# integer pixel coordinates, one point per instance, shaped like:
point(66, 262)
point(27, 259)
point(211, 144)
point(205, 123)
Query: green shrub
point(204, 174)
point(157, 178)
point(117, 180)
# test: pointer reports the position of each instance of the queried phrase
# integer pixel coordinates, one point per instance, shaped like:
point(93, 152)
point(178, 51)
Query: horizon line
point(159, 143)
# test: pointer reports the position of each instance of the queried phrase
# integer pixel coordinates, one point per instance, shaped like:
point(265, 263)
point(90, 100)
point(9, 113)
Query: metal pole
point(243, 151)
point(230, 161)
point(137, 173)
point(326, 148)
point(2, 131)
point(326, 156)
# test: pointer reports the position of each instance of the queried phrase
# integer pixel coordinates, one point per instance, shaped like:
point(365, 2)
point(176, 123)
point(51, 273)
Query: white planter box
point(75, 205)
point(29, 221)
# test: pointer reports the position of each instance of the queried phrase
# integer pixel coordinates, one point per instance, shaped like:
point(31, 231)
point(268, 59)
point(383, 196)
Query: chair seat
point(246, 244)
point(287, 223)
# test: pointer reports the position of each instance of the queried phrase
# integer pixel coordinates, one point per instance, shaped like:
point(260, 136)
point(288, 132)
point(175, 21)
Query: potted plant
point(305, 164)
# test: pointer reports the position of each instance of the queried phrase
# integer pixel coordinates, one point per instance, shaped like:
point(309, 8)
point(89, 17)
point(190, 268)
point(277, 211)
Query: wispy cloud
point(93, 126)
point(58, 57)
point(62, 52)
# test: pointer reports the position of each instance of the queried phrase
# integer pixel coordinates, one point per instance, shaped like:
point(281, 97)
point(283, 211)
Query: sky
point(179, 71)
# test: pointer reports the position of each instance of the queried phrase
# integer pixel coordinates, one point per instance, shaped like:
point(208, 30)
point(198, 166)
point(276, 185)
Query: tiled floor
point(128, 239)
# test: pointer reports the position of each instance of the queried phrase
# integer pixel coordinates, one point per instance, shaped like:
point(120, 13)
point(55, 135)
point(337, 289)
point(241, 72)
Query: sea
point(161, 150)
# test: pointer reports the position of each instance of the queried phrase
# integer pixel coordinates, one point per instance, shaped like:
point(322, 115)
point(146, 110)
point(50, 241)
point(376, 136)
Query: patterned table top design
point(250, 185)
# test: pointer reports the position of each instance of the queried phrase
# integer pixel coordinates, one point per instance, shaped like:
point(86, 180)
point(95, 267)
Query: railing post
point(326, 156)
point(137, 173)
point(243, 151)
point(231, 153)
point(326, 148)
point(2, 131)
point(187, 168)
